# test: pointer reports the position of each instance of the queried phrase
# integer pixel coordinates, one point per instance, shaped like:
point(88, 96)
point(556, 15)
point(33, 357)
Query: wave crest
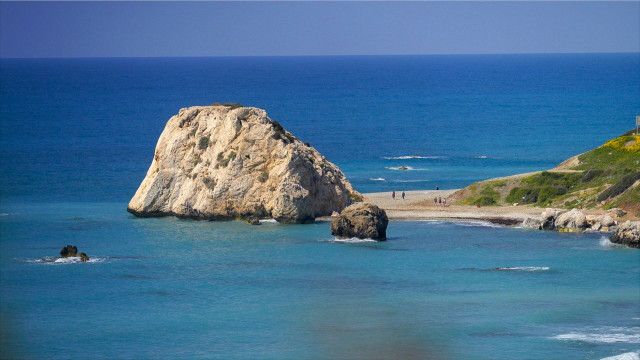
point(408, 157)
point(604, 335)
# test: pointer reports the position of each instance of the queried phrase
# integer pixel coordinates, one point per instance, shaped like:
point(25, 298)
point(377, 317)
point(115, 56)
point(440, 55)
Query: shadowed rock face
point(361, 220)
point(223, 162)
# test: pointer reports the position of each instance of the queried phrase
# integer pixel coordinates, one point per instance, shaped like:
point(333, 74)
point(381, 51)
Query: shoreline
point(420, 205)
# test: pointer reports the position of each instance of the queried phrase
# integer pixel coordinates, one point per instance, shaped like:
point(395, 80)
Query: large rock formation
point(361, 220)
point(223, 161)
point(628, 233)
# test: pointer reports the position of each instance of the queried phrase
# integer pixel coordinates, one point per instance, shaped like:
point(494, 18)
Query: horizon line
point(318, 55)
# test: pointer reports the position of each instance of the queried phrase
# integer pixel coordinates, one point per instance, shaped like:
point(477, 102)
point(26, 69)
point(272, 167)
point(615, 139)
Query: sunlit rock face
point(222, 162)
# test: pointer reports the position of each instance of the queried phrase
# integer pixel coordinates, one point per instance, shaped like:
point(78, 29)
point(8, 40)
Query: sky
point(155, 29)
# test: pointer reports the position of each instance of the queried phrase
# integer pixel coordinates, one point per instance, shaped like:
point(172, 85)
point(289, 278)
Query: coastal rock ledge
point(360, 220)
point(228, 161)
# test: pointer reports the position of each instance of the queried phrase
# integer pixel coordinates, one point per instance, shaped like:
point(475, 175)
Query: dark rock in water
point(84, 257)
point(361, 220)
point(69, 251)
point(628, 233)
point(253, 220)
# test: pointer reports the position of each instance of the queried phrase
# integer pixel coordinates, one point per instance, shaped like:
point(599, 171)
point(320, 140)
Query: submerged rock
point(69, 251)
point(224, 162)
point(360, 220)
point(573, 220)
point(84, 257)
point(627, 233)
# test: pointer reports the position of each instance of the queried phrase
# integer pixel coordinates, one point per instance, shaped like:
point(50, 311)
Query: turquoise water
point(77, 136)
point(168, 288)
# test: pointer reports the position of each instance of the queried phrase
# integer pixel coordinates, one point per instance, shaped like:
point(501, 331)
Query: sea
point(77, 136)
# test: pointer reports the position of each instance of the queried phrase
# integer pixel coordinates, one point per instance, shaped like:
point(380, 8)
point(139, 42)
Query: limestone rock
point(225, 162)
point(531, 223)
point(361, 220)
point(69, 251)
point(573, 220)
point(628, 233)
point(548, 218)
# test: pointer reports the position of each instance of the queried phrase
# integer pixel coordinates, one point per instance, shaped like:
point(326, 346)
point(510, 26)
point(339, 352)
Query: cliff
point(228, 161)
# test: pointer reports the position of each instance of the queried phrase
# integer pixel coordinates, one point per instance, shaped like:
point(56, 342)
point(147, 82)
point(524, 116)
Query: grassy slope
point(606, 177)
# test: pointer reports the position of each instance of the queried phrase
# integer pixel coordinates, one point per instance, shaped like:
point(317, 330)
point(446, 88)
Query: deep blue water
point(77, 136)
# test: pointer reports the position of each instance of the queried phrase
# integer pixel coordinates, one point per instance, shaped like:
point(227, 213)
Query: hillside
point(603, 178)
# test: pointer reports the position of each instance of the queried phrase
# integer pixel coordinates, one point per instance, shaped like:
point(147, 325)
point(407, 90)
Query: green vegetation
point(542, 188)
point(203, 143)
point(487, 195)
point(603, 177)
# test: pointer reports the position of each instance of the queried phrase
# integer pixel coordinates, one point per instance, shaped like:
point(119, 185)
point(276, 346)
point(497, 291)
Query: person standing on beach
point(435, 200)
point(393, 195)
point(403, 195)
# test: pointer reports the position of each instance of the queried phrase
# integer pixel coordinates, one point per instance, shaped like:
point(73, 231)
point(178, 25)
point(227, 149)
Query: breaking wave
point(50, 260)
point(606, 243)
point(352, 240)
point(625, 356)
point(604, 335)
point(268, 221)
point(378, 179)
point(408, 157)
point(524, 268)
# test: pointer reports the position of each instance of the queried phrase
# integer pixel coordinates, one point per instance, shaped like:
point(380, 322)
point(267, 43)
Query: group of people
point(440, 201)
point(393, 195)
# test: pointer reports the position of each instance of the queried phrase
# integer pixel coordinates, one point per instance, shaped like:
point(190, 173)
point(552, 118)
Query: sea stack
point(360, 220)
point(229, 161)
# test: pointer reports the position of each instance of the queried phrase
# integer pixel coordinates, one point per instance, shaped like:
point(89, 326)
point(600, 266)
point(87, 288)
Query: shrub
point(619, 187)
point(523, 195)
point(484, 200)
point(590, 175)
point(203, 143)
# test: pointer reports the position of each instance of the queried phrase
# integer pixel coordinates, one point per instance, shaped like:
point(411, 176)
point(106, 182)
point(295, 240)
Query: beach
point(420, 205)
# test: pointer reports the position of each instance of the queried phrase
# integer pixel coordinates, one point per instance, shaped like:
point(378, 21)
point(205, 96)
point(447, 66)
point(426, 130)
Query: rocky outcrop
point(69, 251)
point(573, 220)
point(531, 223)
point(627, 233)
point(361, 220)
point(84, 257)
point(548, 219)
point(225, 162)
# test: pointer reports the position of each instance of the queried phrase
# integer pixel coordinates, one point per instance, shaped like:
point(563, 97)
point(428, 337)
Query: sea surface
point(77, 136)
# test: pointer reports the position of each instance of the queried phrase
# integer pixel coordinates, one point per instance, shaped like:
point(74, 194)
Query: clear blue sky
point(92, 29)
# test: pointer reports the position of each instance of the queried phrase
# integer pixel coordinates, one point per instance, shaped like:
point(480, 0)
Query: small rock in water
point(84, 257)
point(361, 220)
point(253, 220)
point(69, 251)
point(531, 223)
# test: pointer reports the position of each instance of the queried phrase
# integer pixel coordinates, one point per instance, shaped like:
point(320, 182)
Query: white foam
point(606, 243)
point(377, 179)
point(405, 168)
point(407, 157)
point(482, 157)
point(4, 214)
point(524, 268)
point(268, 221)
point(410, 181)
point(604, 335)
point(625, 356)
point(65, 261)
point(460, 222)
point(352, 240)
